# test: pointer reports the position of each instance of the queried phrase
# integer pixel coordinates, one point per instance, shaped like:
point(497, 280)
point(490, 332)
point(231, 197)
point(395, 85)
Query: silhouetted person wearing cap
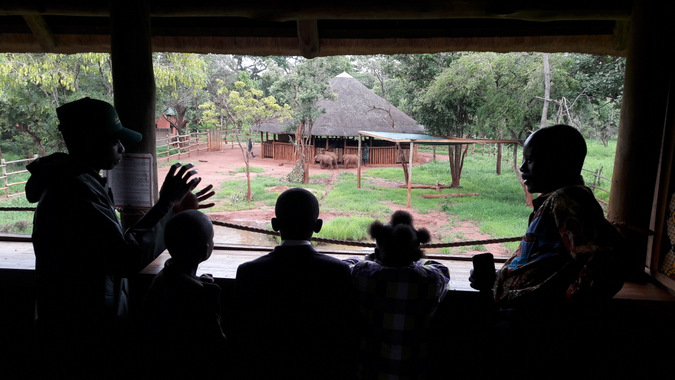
point(181, 330)
point(294, 306)
point(398, 294)
point(83, 256)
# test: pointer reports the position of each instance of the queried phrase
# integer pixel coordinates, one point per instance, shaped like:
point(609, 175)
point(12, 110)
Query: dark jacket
point(296, 313)
point(181, 326)
point(82, 253)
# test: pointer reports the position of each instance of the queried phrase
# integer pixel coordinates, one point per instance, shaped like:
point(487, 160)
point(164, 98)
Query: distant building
point(356, 108)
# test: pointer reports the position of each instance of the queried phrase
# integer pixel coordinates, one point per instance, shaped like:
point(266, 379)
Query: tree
point(483, 95)
point(447, 108)
point(34, 85)
point(181, 81)
point(600, 79)
point(245, 108)
point(302, 89)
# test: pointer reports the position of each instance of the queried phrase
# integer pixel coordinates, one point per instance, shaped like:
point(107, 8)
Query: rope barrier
point(17, 208)
point(363, 244)
point(327, 240)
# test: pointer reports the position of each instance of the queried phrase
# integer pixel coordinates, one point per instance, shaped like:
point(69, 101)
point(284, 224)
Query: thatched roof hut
point(355, 108)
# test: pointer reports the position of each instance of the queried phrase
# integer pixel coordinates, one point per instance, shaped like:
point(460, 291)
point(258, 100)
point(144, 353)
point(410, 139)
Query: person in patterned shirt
point(569, 261)
point(570, 254)
point(398, 293)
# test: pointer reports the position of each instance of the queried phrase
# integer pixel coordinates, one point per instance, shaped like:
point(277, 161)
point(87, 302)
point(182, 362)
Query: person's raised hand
point(178, 183)
point(194, 200)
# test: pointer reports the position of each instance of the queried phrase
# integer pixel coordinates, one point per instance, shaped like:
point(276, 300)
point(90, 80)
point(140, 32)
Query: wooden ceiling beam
point(40, 29)
point(294, 10)
point(308, 38)
point(288, 46)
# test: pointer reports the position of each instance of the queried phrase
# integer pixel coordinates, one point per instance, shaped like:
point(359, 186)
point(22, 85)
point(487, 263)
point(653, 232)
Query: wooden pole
point(646, 89)
point(134, 82)
point(499, 158)
point(659, 243)
point(410, 165)
point(358, 167)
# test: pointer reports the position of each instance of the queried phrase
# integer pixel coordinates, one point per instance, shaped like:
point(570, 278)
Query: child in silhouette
point(295, 306)
point(398, 294)
point(181, 312)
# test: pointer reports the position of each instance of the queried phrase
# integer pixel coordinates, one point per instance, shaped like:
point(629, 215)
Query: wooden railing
point(9, 173)
point(383, 155)
point(181, 146)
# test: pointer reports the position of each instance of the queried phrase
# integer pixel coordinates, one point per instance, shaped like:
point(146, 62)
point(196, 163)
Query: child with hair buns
point(398, 293)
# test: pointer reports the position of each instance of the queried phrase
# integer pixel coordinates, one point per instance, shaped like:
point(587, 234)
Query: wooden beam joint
point(308, 38)
point(41, 31)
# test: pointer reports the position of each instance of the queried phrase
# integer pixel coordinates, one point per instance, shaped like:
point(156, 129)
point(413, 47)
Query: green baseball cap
point(95, 118)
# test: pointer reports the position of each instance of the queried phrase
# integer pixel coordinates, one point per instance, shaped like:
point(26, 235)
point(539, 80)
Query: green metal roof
point(427, 139)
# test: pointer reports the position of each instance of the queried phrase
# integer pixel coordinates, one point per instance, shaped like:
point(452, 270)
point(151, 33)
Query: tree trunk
point(404, 162)
point(499, 158)
point(528, 195)
point(248, 181)
point(302, 151)
point(305, 164)
point(456, 156)
point(180, 118)
point(34, 136)
point(547, 90)
point(246, 154)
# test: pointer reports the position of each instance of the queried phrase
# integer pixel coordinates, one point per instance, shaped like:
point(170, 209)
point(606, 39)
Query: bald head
point(297, 214)
point(560, 143)
point(189, 236)
point(553, 158)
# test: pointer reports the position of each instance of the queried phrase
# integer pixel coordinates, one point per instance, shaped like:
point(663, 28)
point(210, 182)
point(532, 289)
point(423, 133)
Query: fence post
point(4, 176)
point(595, 179)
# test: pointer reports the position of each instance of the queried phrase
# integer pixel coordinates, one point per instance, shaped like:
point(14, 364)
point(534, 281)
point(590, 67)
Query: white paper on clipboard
point(132, 181)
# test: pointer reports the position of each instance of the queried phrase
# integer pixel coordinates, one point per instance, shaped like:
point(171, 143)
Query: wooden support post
point(358, 170)
point(410, 166)
point(4, 177)
point(641, 128)
point(499, 158)
point(308, 38)
point(134, 81)
point(659, 244)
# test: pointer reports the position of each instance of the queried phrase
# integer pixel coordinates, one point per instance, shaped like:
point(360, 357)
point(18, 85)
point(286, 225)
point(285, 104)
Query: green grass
point(345, 228)
point(232, 194)
point(20, 222)
point(600, 156)
point(251, 169)
point(499, 209)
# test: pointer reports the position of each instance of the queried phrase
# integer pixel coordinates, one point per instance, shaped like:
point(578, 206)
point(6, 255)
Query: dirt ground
point(215, 167)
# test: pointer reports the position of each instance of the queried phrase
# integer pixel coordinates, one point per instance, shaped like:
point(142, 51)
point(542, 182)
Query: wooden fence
point(383, 155)
point(281, 151)
point(594, 181)
point(181, 146)
point(10, 173)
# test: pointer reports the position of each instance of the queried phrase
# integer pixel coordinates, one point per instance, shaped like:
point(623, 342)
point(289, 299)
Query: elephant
point(326, 161)
point(350, 159)
point(332, 154)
